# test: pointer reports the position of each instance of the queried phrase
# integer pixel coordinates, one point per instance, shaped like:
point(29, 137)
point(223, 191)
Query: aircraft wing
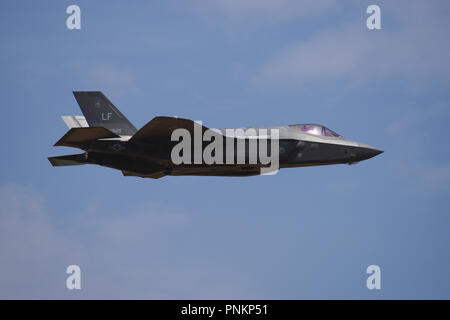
point(162, 127)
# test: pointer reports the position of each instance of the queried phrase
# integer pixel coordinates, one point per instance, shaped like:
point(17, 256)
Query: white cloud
point(27, 243)
point(413, 135)
point(434, 177)
point(416, 117)
point(424, 179)
point(416, 48)
point(104, 77)
point(263, 11)
point(109, 78)
point(137, 253)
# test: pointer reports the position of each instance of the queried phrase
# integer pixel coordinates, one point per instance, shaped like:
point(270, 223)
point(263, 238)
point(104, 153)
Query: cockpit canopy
point(315, 129)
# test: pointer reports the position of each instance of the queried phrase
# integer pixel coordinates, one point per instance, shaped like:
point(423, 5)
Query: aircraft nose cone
point(372, 152)
point(368, 152)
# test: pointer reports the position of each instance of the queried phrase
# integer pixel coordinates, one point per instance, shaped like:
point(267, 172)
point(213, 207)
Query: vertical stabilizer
point(100, 112)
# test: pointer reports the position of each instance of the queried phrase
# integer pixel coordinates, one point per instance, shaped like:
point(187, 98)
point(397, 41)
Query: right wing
point(162, 127)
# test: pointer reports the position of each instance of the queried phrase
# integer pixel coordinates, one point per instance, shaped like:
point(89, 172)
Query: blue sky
point(303, 233)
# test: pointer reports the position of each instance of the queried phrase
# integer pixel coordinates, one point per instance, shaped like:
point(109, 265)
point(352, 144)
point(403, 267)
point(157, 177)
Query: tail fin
point(100, 112)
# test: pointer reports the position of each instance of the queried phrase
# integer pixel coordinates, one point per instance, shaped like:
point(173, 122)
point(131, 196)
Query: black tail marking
point(100, 112)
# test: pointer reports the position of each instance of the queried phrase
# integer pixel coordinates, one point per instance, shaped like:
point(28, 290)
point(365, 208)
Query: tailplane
point(77, 137)
point(69, 160)
point(75, 121)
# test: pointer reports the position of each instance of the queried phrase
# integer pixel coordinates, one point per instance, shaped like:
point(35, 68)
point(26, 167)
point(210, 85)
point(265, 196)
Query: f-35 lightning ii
point(109, 139)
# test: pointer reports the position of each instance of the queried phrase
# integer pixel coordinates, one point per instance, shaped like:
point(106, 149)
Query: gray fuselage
point(152, 158)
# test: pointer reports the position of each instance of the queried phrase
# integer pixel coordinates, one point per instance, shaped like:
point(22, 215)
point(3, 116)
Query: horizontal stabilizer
point(69, 160)
point(75, 121)
point(76, 136)
point(162, 127)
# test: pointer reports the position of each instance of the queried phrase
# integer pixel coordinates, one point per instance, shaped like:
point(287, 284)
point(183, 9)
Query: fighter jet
point(109, 139)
